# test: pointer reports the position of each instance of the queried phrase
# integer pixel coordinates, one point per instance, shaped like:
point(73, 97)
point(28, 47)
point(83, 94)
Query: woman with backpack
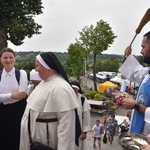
point(13, 88)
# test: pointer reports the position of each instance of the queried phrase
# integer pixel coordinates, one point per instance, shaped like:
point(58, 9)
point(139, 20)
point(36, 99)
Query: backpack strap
point(17, 74)
point(101, 129)
point(0, 74)
point(82, 100)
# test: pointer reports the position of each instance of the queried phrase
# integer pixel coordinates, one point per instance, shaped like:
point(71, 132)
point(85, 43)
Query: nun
point(34, 81)
point(83, 113)
point(50, 116)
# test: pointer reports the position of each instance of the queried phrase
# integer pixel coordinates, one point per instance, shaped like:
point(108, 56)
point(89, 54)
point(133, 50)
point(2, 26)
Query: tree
point(114, 65)
point(75, 59)
point(16, 20)
point(107, 65)
point(99, 65)
point(96, 40)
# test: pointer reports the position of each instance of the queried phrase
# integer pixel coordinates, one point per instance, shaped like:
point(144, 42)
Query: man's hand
point(128, 103)
point(146, 147)
point(18, 95)
point(127, 51)
point(148, 138)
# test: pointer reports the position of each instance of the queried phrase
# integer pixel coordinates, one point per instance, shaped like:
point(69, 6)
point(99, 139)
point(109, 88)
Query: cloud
point(61, 21)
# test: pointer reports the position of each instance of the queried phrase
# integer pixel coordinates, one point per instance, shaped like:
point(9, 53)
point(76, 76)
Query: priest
point(136, 73)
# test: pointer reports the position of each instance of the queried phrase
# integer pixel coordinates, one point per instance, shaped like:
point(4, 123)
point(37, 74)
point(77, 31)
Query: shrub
point(92, 93)
point(96, 96)
point(104, 99)
point(87, 96)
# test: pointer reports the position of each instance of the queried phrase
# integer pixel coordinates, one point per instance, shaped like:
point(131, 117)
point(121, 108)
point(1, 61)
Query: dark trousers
point(10, 121)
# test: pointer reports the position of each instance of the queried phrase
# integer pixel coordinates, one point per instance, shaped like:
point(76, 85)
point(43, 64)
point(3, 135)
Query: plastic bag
point(105, 137)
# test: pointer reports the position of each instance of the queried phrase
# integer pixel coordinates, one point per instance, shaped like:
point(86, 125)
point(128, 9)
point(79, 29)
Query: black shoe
point(94, 146)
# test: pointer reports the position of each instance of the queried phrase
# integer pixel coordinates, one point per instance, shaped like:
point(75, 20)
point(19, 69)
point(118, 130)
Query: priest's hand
point(148, 138)
point(146, 147)
point(128, 103)
point(128, 51)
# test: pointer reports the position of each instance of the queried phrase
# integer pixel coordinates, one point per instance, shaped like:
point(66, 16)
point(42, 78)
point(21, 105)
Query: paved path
point(115, 145)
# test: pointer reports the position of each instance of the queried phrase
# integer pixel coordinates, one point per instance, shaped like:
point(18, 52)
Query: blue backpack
point(101, 129)
point(17, 73)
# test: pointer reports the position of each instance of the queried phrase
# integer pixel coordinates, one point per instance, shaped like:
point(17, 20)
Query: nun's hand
point(83, 135)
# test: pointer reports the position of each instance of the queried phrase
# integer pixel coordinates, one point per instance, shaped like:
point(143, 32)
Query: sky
point(63, 19)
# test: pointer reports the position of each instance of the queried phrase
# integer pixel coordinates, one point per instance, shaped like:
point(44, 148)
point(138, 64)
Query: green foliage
point(92, 94)
point(105, 56)
point(16, 19)
point(97, 96)
point(87, 95)
point(26, 60)
point(95, 40)
point(103, 99)
point(75, 60)
point(110, 65)
point(98, 66)
point(61, 56)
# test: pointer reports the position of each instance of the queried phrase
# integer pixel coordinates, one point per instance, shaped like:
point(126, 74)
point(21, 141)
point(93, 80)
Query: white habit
point(85, 119)
point(53, 98)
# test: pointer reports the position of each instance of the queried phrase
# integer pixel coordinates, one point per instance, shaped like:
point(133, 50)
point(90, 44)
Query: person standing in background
point(105, 122)
point(97, 130)
point(84, 114)
point(34, 81)
point(112, 128)
point(12, 100)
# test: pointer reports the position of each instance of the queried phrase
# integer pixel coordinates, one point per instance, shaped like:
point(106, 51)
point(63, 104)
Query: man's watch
point(136, 106)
